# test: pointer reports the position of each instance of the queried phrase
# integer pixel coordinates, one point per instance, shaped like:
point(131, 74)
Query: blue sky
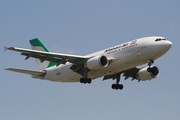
point(82, 27)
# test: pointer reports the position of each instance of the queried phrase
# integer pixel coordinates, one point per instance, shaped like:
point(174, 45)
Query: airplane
point(109, 63)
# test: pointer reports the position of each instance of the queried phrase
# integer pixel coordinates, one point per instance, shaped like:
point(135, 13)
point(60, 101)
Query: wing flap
point(130, 73)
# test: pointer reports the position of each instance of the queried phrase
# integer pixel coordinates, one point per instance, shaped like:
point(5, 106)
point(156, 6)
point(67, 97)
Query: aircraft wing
point(130, 73)
point(29, 72)
point(50, 56)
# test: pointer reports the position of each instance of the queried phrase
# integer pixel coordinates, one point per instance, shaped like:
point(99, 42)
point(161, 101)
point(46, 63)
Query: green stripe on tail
point(36, 44)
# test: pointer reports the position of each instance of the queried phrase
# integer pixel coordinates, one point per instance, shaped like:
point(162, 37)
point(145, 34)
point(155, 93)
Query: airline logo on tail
point(36, 44)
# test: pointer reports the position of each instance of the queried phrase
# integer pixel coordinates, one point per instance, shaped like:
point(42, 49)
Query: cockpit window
point(159, 39)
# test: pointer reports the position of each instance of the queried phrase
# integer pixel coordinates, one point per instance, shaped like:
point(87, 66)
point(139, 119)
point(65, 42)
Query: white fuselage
point(122, 57)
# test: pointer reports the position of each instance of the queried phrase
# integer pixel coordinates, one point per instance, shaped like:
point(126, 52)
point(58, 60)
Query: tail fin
point(36, 44)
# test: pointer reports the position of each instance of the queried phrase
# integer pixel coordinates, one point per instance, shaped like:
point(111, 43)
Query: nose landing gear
point(150, 63)
point(149, 69)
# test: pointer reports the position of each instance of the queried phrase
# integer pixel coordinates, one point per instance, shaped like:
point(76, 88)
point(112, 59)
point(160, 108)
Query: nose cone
point(164, 46)
point(168, 44)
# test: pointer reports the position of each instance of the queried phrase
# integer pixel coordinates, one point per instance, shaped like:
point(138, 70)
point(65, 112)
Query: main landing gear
point(85, 79)
point(117, 85)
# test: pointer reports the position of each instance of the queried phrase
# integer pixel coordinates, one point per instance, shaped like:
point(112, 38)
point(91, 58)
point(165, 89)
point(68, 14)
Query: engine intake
point(96, 62)
point(147, 73)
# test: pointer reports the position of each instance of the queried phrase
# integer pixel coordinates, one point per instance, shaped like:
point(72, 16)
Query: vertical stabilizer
point(36, 44)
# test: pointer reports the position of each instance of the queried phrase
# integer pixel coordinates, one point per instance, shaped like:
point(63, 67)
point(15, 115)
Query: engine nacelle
point(97, 62)
point(147, 73)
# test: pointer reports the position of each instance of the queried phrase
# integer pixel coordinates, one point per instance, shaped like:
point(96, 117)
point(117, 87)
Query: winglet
point(8, 48)
point(5, 48)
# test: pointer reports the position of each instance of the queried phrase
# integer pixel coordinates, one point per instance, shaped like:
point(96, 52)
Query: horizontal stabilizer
point(30, 72)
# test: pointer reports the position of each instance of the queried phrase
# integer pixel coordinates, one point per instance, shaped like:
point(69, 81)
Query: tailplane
point(36, 44)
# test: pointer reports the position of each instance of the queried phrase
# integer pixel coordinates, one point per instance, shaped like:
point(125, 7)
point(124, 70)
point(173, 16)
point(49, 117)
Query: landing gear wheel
point(113, 86)
point(85, 80)
point(89, 80)
point(120, 86)
point(117, 86)
point(81, 80)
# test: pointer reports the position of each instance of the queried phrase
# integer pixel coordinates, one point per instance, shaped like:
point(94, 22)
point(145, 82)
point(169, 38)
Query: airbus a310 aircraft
point(111, 63)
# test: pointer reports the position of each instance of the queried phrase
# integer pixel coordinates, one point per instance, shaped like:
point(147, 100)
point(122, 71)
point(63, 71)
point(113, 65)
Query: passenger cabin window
point(159, 39)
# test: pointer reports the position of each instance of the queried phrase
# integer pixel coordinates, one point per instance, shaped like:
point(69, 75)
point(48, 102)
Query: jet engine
point(147, 73)
point(96, 62)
